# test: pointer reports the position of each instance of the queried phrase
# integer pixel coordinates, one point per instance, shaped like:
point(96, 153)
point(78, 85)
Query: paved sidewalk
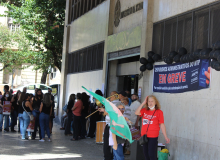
point(13, 148)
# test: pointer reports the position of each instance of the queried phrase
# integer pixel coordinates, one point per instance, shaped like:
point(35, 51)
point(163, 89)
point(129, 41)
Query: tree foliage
point(15, 49)
point(43, 25)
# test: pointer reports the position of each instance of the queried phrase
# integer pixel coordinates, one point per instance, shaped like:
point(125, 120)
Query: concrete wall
point(191, 118)
point(167, 8)
point(90, 28)
point(130, 21)
point(90, 80)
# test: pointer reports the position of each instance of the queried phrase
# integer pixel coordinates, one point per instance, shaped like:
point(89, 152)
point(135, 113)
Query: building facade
point(104, 40)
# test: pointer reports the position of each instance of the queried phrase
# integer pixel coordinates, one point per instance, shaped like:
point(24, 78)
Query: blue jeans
point(44, 124)
point(24, 120)
point(1, 121)
point(150, 149)
point(6, 123)
point(118, 154)
point(36, 114)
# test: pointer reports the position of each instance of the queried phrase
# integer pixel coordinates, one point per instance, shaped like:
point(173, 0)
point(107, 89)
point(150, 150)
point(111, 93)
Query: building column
point(64, 67)
point(146, 44)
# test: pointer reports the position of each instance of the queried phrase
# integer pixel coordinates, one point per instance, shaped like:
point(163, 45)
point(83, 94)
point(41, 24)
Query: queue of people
point(25, 108)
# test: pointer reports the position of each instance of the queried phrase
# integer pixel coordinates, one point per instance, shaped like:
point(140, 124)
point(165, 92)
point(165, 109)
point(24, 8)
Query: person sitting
point(63, 119)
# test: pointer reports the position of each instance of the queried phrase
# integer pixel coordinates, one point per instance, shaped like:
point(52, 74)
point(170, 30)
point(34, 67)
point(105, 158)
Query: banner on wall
point(182, 77)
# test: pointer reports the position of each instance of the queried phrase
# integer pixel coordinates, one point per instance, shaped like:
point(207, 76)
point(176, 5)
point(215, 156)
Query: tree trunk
point(44, 77)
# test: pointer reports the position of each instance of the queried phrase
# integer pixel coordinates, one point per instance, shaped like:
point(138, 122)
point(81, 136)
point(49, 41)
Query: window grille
point(86, 59)
point(197, 29)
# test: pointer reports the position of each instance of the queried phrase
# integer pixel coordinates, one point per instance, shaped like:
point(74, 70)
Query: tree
point(43, 25)
point(15, 49)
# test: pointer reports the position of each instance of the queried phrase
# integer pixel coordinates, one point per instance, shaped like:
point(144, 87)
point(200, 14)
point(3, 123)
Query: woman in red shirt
point(152, 121)
point(77, 108)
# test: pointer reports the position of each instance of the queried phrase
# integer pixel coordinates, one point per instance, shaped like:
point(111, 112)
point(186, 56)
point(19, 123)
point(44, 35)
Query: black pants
point(37, 124)
point(150, 149)
point(14, 117)
point(68, 125)
point(92, 127)
point(76, 124)
point(83, 126)
point(108, 155)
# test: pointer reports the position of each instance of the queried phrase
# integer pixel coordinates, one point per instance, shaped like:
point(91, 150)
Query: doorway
point(128, 82)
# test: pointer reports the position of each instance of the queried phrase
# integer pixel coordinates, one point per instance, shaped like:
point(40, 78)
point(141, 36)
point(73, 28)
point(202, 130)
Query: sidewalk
point(12, 147)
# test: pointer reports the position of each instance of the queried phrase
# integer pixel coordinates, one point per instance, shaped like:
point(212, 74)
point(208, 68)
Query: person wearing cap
point(52, 115)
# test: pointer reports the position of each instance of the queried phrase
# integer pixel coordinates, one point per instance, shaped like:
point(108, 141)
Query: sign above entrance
point(119, 15)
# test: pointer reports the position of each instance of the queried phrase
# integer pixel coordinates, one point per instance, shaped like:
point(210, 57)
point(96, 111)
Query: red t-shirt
point(78, 105)
point(154, 128)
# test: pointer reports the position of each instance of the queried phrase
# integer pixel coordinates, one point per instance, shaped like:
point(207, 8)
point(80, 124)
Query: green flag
point(118, 124)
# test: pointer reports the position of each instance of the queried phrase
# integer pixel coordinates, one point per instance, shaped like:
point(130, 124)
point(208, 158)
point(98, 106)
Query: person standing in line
point(107, 150)
point(84, 114)
point(152, 121)
point(127, 112)
point(20, 110)
point(25, 118)
point(45, 113)
point(6, 97)
point(14, 110)
point(37, 99)
point(6, 121)
point(129, 96)
point(70, 105)
point(95, 117)
point(52, 116)
point(76, 116)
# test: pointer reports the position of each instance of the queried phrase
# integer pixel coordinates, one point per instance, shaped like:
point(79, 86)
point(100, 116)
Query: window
point(79, 7)
point(87, 59)
point(13, 27)
point(53, 73)
point(31, 87)
point(43, 87)
point(194, 30)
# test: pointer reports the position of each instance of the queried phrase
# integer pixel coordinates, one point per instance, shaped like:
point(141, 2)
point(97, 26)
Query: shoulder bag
point(31, 116)
point(143, 140)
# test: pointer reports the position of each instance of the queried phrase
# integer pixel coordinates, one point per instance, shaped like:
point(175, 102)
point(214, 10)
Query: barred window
point(79, 7)
point(193, 30)
point(86, 59)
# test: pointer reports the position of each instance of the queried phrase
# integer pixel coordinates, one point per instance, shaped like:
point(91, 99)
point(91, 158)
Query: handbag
point(31, 116)
point(143, 140)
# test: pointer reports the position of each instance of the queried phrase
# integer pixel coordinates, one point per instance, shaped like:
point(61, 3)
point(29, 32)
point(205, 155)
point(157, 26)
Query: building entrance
point(129, 82)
